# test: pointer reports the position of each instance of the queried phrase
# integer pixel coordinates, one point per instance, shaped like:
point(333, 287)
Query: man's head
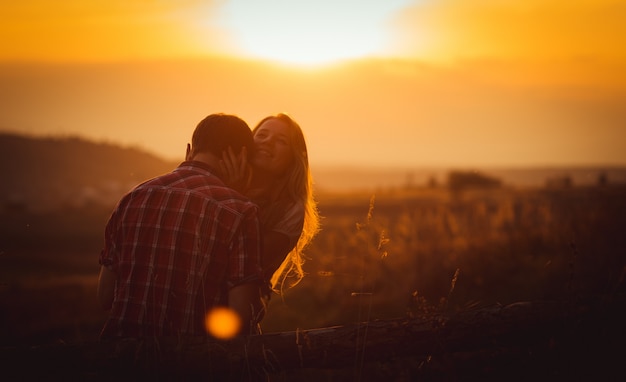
point(217, 132)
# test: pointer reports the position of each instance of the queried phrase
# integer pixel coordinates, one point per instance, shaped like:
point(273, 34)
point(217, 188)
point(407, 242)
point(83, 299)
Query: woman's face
point(272, 147)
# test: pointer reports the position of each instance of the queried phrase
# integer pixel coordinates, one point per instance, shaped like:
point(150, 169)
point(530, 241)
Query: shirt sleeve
point(245, 257)
point(109, 255)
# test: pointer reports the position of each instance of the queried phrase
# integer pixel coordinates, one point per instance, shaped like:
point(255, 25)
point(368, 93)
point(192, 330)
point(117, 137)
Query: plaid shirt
point(177, 243)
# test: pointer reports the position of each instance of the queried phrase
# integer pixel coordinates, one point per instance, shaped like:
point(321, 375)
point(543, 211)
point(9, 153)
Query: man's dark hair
point(217, 132)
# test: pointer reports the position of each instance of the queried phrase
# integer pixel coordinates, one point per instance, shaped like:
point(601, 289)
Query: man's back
point(176, 243)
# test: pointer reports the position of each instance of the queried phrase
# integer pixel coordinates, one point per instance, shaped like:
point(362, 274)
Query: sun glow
point(309, 32)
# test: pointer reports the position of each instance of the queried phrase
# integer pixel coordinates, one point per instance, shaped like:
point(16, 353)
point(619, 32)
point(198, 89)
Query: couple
point(217, 231)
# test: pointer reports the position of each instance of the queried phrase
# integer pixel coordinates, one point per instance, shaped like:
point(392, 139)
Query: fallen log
point(537, 336)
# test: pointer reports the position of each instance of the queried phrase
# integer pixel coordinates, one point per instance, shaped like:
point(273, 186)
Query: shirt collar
point(203, 167)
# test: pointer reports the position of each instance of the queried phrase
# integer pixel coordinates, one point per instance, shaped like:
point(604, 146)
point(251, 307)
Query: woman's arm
point(245, 300)
point(275, 248)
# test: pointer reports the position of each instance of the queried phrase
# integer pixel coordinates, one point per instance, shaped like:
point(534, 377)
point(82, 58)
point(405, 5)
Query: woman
point(282, 186)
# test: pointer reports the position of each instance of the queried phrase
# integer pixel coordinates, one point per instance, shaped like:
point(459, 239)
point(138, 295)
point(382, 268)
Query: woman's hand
point(235, 169)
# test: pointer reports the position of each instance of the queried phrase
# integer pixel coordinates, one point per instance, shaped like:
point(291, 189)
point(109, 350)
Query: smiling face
point(273, 152)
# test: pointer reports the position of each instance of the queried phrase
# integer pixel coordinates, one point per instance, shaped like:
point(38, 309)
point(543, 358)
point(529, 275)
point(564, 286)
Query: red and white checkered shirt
point(177, 244)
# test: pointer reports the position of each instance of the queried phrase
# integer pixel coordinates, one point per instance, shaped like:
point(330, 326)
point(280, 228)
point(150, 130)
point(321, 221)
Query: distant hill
point(44, 173)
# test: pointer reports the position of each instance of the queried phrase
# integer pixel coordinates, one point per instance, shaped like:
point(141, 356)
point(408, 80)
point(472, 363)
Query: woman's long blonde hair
point(298, 185)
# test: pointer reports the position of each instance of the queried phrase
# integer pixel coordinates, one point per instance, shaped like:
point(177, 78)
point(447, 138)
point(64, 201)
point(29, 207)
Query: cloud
point(537, 29)
point(113, 29)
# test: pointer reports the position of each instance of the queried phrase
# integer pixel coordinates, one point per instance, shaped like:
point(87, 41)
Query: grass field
point(397, 253)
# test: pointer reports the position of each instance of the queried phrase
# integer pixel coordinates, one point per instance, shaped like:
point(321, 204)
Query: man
point(182, 243)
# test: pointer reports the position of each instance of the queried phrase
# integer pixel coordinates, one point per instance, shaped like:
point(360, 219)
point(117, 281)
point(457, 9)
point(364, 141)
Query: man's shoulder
point(230, 198)
point(191, 181)
point(211, 188)
point(186, 177)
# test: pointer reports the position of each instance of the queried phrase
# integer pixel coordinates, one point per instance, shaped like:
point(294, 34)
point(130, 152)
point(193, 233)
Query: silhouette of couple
point(224, 229)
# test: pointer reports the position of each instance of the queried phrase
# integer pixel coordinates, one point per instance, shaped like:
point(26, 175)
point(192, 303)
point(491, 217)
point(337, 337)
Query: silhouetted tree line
point(461, 180)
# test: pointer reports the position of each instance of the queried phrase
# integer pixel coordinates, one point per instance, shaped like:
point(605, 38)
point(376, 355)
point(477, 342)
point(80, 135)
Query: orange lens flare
point(222, 323)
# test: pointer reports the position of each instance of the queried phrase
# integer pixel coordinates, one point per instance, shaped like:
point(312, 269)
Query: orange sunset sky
point(376, 83)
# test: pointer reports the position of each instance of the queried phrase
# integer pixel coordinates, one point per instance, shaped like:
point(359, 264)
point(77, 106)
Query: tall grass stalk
point(359, 359)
